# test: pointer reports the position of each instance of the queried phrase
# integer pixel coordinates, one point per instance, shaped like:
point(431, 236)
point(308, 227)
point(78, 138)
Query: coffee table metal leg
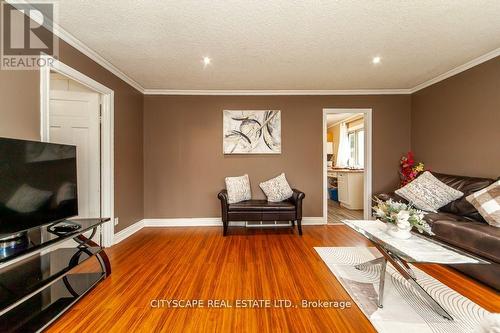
point(381, 284)
point(404, 269)
point(370, 263)
point(409, 270)
point(398, 264)
point(383, 264)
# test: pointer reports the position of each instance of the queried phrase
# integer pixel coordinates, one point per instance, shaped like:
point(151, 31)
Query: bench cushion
point(262, 216)
point(261, 205)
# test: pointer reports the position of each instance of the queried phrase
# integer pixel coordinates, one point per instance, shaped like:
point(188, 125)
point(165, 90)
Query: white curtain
point(343, 152)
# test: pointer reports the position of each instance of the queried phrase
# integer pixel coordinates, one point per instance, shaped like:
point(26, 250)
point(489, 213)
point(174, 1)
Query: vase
point(400, 233)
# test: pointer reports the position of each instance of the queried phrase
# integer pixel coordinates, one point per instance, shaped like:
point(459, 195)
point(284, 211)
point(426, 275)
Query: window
point(357, 148)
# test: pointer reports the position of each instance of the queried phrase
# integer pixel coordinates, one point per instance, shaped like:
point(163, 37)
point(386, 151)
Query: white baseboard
point(192, 222)
point(184, 222)
point(128, 231)
point(212, 222)
point(314, 220)
point(188, 222)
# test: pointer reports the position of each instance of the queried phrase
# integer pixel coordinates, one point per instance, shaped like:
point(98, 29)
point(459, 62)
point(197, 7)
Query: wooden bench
point(262, 210)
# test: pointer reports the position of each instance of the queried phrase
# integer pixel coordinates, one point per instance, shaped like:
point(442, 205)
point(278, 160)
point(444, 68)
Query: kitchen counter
point(333, 172)
point(344, 170)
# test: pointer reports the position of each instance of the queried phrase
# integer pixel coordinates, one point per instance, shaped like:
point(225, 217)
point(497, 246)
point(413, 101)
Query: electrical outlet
point(116, 221)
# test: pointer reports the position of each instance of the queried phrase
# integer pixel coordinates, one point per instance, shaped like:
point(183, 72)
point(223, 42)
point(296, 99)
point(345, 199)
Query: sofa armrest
point(296, 199)
point(389, 195)
point(224, 202)
point(223, 196)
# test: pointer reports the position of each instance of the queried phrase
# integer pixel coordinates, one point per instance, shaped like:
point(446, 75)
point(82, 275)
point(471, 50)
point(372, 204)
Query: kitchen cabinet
point(350, 185)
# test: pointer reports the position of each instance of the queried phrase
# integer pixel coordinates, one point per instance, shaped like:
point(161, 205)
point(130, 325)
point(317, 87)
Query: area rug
point(404, 310)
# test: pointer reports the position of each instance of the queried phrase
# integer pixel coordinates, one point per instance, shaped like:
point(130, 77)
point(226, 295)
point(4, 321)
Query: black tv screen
point(37, 184)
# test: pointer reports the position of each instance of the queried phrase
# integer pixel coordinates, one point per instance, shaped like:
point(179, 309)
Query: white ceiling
point(283, 44)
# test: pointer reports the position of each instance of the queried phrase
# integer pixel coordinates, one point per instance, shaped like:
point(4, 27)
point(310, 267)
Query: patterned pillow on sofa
point(238, 189)
point(277, 189)
point(487, 202)
point(428, 193)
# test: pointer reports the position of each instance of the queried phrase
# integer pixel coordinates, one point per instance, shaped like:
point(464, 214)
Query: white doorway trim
point(107, 133)
point(367, 202)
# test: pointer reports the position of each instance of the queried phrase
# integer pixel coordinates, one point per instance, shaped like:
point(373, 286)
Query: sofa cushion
point(430, 217)
point(262, 205)
point(467, 185)
point(428, 193)
point(245, 216)
point(475, 237)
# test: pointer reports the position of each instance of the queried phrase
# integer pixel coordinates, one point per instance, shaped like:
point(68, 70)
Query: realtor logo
point(27, 34)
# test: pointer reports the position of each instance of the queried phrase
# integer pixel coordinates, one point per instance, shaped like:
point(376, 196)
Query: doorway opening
point(74, 119)
point(347, 164)
point(77, 110)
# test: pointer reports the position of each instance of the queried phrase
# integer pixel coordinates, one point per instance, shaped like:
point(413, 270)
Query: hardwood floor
point(198, 263)
point(337, 213)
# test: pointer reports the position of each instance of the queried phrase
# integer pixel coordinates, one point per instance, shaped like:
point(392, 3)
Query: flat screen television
point(37, 184)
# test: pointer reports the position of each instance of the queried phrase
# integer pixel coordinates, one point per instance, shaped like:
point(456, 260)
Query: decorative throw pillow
point(487, 202)
point(238, 189)
point(277, 189)
point(428, 193)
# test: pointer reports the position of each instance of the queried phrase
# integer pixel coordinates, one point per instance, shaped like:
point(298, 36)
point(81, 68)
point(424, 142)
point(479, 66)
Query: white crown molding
point(474, 62)
point(209, 92)
point(82, 47)
point(191, 222)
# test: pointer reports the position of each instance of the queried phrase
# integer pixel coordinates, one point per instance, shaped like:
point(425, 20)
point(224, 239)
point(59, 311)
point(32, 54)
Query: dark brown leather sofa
point(460, 224)
point(262, 210)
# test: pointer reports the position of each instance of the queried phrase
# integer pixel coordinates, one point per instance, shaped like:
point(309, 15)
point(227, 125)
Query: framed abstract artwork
point(252, 132)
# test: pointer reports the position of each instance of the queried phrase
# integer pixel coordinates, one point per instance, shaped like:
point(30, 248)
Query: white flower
point(399, 206)
point(403, 216)
point(402, 219)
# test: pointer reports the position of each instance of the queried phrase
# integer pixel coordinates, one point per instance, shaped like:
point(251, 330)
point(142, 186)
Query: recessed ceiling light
point(376, 60)
point(206, 61)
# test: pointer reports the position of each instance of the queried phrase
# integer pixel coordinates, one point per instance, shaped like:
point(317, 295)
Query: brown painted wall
point(455, 123)
point(184, 166)
point(20, 118)
point(20, 104)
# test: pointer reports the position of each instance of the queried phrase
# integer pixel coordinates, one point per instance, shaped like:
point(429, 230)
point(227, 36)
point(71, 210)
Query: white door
point(74, 119)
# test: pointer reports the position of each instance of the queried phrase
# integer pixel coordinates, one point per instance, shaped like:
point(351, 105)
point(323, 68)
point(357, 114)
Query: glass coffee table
point(417, 249)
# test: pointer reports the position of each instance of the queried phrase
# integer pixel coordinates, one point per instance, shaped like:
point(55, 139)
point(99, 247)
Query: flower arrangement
point(409, 170)
point(402, 215)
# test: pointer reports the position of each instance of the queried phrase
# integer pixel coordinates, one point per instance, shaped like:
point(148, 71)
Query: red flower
point(407, 168)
